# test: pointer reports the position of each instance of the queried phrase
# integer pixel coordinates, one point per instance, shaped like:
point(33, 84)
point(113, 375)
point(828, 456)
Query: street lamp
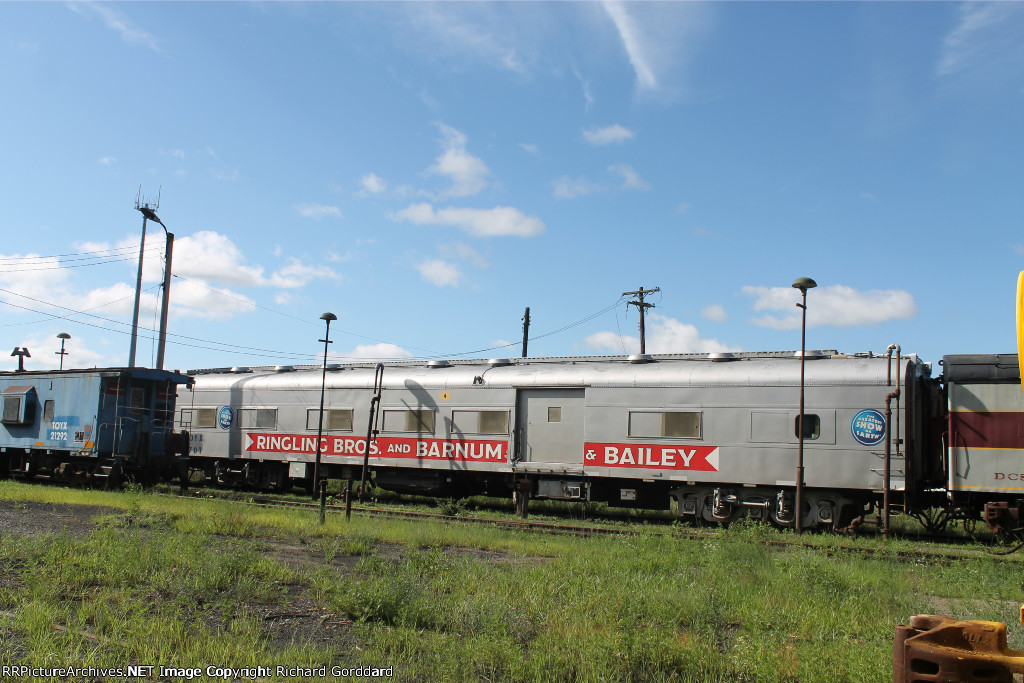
point(148, 214)
point(317, 482)
point(803, 284)
point(63, 336)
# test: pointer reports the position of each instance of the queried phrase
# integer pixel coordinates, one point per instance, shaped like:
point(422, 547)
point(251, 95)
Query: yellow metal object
point(1022, 614)
point(945, 650)
point(445, 395)
point(1020, 326)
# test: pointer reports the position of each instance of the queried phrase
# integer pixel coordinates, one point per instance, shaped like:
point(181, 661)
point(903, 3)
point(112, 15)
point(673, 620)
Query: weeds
point(185, 583)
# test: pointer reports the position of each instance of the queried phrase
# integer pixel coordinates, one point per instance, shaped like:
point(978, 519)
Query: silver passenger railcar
point(716, 433)
point(985, 437)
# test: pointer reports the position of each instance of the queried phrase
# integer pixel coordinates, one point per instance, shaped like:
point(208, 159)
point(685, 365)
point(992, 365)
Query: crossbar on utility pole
point(639, 294)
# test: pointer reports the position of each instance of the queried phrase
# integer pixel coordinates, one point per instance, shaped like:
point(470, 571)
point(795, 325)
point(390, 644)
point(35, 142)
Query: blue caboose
point(104, 424)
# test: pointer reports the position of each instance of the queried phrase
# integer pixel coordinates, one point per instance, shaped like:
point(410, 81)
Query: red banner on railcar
point(653, 456)
point(383, 447)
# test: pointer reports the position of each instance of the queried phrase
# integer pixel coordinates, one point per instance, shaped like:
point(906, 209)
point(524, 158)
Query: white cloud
point(381, 351)
point(468, 174)
point(631, 180)
point(225, 174)
point(659, 40)
point(588, 96)
point(213, 257)
point(836, 305)
point(297, 274)
point(499, 221)
point(45, 346)
point(663, 335)
point(117, 22)
point(986, 34)
point(634, 43)
point(484, 37)
point(107, 161)
point(532, 149)
point(463, 252)
point(607, 135)
point(318, 211)
point(193, 299)
point(440, 273)
point(371, 183)
point(566, 188)
point(714, 313)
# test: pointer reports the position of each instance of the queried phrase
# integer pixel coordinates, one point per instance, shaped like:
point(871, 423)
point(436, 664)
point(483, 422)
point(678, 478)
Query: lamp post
point(320, 486)
point(803, 284)
point(149, 214)
point(63, 336)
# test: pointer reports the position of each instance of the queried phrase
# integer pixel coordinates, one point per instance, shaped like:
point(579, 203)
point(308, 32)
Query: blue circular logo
point(224, 417)
point(868, 427)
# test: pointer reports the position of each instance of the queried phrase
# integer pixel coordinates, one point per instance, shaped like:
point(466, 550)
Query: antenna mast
point(148, 210)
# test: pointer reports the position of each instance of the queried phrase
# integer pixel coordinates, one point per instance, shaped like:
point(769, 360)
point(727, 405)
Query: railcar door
point(550, 427)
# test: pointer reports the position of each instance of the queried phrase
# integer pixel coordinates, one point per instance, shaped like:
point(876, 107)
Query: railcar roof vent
point(810, 354)
point(239, 369)
point(638, 358)
point(439, 364)
point(284, 368)
point(499, 362)
point(721, 357)
point(334, 366)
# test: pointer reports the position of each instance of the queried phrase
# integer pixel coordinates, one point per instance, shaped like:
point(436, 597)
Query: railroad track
point(650, 528)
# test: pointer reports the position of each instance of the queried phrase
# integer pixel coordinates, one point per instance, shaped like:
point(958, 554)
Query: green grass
point(192, 582)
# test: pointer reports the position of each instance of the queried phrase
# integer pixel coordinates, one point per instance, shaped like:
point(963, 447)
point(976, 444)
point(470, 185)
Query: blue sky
point(427, 171)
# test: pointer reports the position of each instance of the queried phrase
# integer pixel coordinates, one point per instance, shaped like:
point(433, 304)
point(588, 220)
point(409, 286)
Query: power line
point(224, 347)
point(97, 252)
point(293, 317)
point(61, 266)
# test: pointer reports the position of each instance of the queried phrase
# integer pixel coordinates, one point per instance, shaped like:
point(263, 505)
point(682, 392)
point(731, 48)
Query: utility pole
point(148, 212)
point(166, 299)
point(526, 330)
point(639, 294)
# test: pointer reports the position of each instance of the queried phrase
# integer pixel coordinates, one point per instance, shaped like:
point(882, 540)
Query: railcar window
point(12, 409)
point(408, 420)
point(681, 424)
point(258, 418)
point(812, 426)
point(335, 419)
point(199, 418)
point(555, 414)
point(480, 421)
point(48, 410)
point(678, 424)
point(137, 400)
